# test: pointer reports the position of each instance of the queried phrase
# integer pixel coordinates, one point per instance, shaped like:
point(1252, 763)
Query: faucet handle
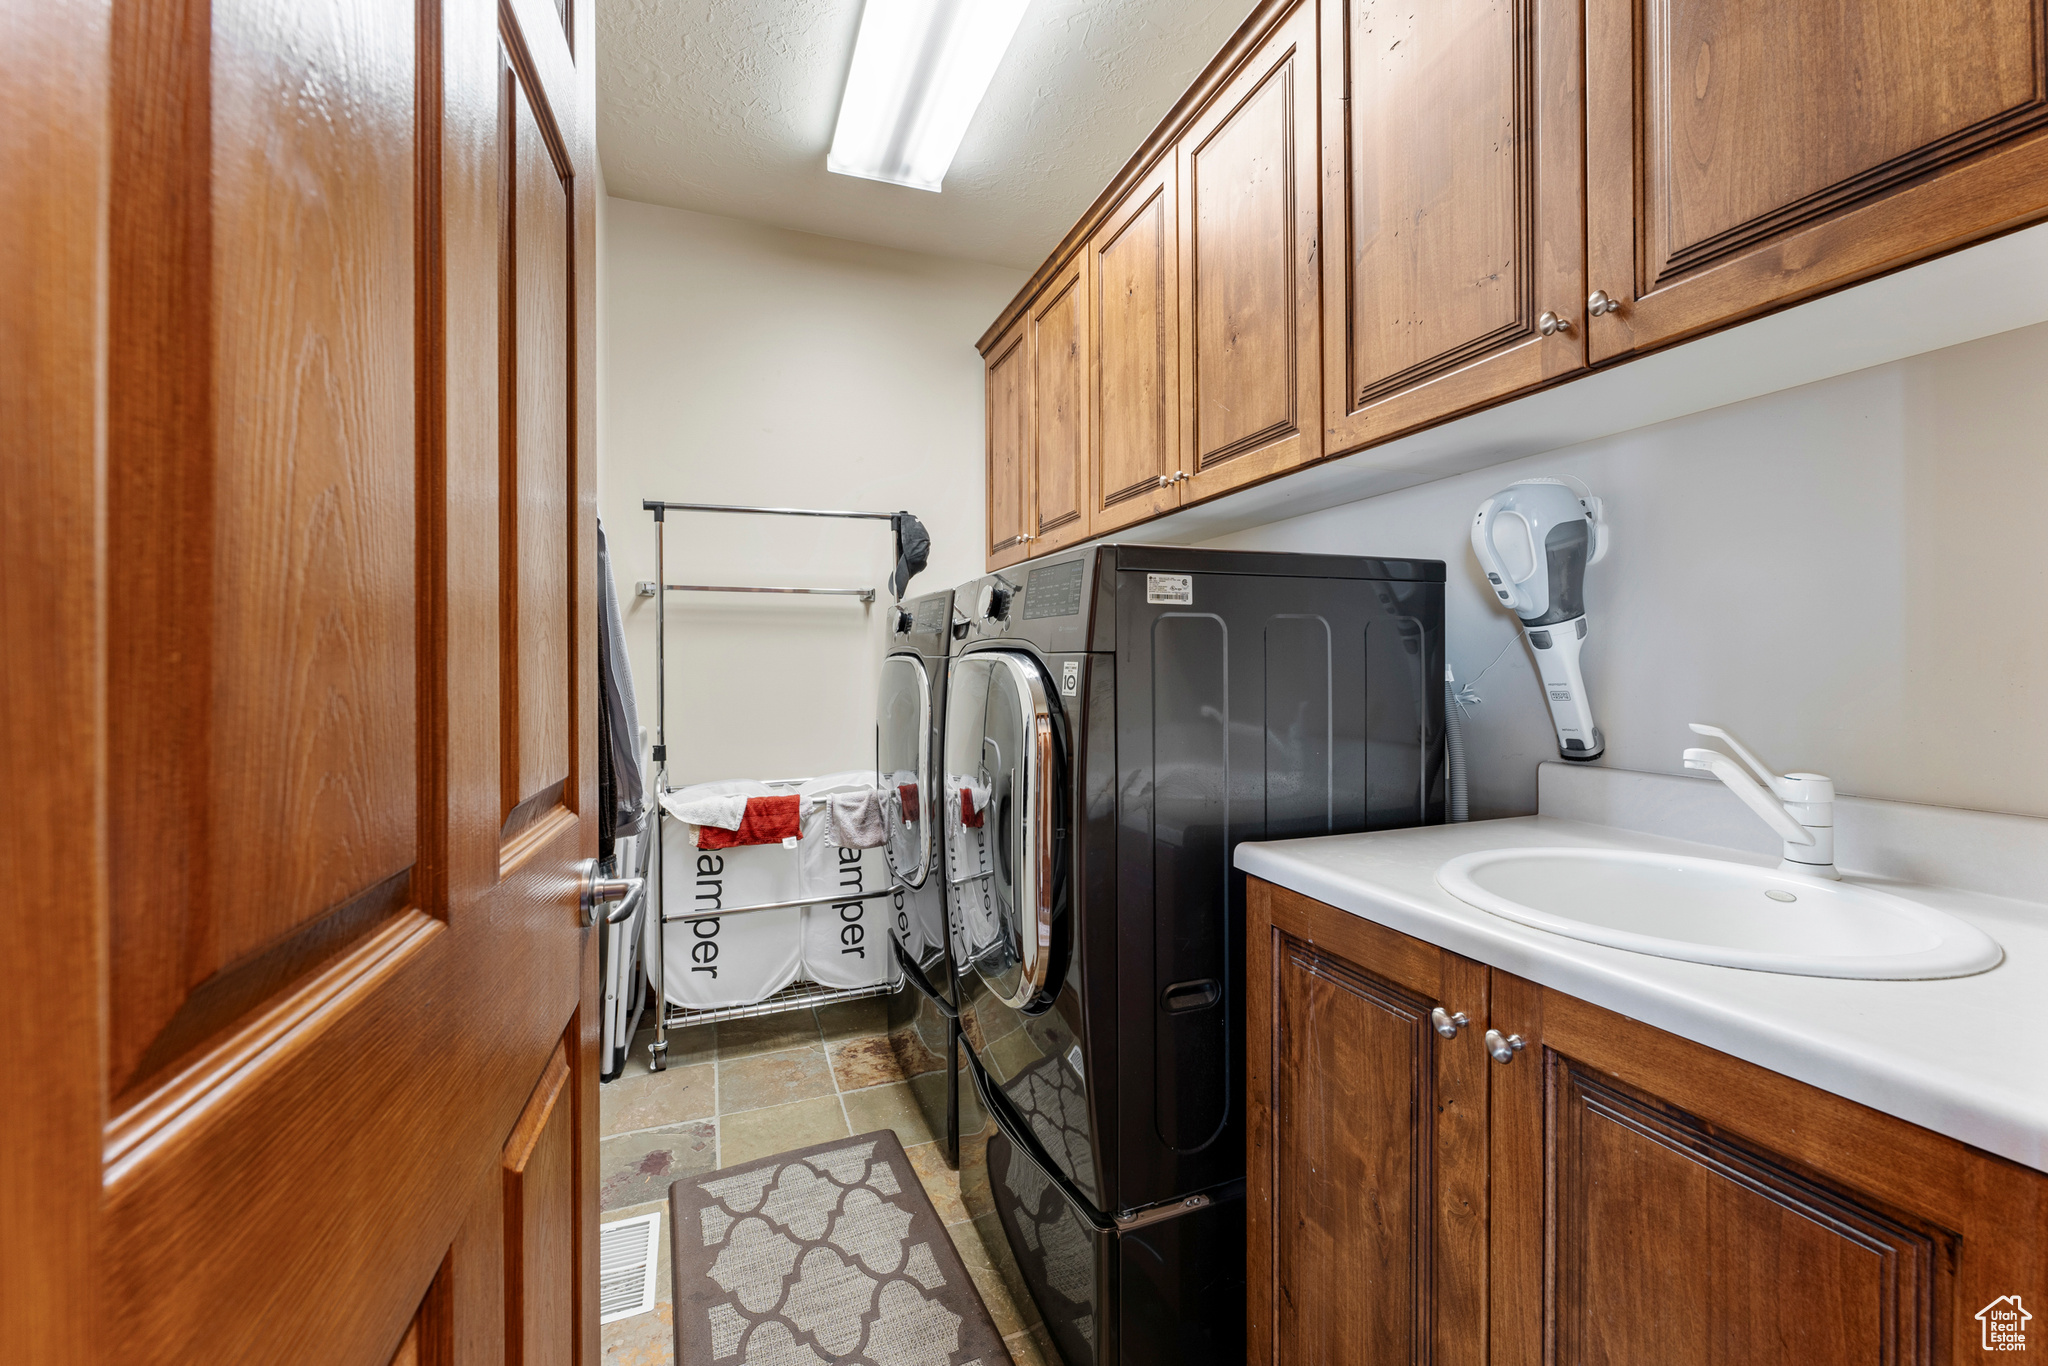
point(1787, 787)
point(1742, 752)
point(1754, 797)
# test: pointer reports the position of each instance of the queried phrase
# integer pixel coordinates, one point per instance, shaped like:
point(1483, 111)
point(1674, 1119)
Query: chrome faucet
point(1799, 807)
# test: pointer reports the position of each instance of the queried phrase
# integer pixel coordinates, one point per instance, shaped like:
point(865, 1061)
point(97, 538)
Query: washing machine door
point(1003, 800)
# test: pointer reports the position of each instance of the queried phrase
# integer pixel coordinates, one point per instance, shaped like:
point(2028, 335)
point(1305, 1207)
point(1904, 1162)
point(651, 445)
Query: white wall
point(744, 364)
point(1852, 576)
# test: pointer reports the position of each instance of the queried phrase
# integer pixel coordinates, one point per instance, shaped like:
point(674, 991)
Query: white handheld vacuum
point(1566, 531)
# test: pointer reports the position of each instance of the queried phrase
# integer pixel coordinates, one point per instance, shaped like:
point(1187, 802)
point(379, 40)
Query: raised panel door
point(1251, 367)
point(298, 987)
point(534, 326)
point(1677, 1242)
point(1695, 1209)
point(1452, 163)
point(1058, 477)
point(1134, 371)
point(1007, 396)
point(540, 1223)
point(1368, 1151)
point(1742, 154)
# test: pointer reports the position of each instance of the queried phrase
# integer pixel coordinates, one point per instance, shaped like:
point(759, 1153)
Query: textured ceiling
point(727, 107)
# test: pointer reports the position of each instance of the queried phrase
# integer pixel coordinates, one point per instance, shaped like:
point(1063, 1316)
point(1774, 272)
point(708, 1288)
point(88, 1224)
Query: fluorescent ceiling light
point(920, 68)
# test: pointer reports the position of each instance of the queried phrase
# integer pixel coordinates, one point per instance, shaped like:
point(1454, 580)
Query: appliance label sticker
point(1070, 678)
point(1174, 590)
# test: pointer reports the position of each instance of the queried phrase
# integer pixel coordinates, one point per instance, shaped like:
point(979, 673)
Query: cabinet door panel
point(1743, 154)
point(1134, 264)
point(1452, 168)
point(1368, 1151)
point(1008, 389)
point(1680, 1245)
point(1250, 366)
point(1696, 1208)
point(1352, 1097)
point(1059, 418)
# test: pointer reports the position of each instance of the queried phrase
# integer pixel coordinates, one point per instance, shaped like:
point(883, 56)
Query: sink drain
point(1776, 895)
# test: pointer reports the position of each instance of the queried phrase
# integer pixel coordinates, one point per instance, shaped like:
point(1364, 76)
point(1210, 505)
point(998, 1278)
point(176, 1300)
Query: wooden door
point(1452, 164)
point(1251, 368)
point(1697, 1209)
point(1134, 368)
point(1007, 393)
point(1741, 155)
point(1058, 325)
point(296, 367)
point(1367, 1176)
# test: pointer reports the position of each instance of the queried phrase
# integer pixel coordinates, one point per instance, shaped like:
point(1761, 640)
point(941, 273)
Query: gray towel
point(856, 820)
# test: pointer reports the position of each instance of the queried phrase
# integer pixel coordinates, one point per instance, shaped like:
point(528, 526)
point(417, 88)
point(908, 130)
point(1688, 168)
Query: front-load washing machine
point(922, 1016)
point(1117, 721)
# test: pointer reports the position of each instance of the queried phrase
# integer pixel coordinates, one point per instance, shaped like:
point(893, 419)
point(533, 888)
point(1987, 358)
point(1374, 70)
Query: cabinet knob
point(1600, 302)
point(1550, 323)
point(1503, 1047)
point(1448, 1024)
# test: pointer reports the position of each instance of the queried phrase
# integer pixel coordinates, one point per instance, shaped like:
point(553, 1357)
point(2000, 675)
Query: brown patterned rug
point(829, 1254)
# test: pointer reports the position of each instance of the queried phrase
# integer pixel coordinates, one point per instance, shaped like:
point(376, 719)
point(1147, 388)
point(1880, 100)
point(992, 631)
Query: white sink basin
point(1729, 914)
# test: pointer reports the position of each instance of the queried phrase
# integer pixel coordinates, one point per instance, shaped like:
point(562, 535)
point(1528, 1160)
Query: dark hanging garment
point(913, 551)
point(607, 781)
point(619, 720)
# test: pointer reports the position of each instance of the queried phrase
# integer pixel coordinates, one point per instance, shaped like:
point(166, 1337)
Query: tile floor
point(748, 1088)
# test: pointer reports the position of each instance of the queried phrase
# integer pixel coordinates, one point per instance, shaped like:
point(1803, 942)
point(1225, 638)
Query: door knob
point(1502, 1048)
point(1448, 1024)
point(598, 890)
point(1550, 323)
point(1600, 302)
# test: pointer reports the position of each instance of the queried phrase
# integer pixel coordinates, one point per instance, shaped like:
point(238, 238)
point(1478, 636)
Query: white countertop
point(1966, 1057)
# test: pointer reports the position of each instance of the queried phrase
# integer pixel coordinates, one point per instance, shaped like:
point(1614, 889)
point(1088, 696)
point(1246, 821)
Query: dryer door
point(903, 759)
point(904, 771)
point(1004, 812)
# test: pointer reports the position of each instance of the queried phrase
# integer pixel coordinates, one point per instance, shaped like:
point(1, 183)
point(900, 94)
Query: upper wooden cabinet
point(1363, 219)
point(1741, 155)
point(1007, 395)
point(1134, 371)
point(1058, 472)
point(1251, 378)
point(1452, 152)
point(1599, 1191)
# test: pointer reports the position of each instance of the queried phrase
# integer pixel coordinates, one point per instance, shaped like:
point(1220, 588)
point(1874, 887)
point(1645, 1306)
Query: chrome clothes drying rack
point(798, 995)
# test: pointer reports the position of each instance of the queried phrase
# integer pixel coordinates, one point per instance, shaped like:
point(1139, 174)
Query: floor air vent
point(628, 1254)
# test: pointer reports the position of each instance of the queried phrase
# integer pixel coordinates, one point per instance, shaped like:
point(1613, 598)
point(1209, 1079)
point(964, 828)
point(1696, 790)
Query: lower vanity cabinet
point(1549, 1182)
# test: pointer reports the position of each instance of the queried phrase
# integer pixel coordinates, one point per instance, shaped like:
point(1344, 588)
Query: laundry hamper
point(715, 958)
